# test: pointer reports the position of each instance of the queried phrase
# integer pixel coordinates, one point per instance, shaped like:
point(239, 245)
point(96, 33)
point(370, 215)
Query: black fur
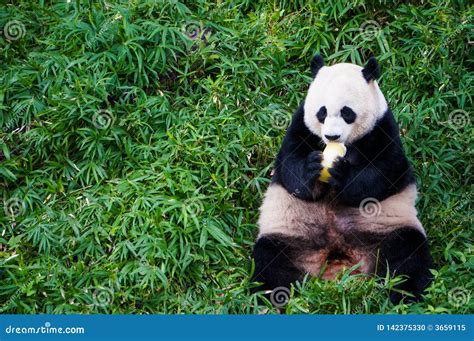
point(298, 163)
point(374, 166)
point(405, 252)
point(348, 115)
point(322, 114)
point(402, 252)
point(316, 63)
point(371, 70)
point(275, 258)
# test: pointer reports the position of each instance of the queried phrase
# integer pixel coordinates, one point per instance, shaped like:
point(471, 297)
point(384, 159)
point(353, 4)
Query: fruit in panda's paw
point(332, 151)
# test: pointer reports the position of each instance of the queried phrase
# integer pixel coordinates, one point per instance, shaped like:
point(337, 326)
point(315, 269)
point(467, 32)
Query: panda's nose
point(332, 137)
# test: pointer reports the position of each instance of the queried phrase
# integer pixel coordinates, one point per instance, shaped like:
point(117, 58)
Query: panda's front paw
point(339, 173)
point(310, 172)
point(313, 166)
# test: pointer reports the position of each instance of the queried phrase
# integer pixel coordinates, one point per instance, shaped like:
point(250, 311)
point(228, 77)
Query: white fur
point(325, 223)
point(343, 85)
point(282, 213)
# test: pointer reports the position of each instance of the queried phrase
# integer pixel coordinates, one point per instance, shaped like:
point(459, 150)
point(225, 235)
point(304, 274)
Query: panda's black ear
point(371, 71)
point(316, 63)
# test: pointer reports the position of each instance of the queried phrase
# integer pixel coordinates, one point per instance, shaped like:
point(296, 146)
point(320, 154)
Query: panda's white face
point(341, 105)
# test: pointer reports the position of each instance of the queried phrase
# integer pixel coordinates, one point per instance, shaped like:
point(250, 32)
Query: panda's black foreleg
point(405, 252)
point(298, 175)
point(275, 265)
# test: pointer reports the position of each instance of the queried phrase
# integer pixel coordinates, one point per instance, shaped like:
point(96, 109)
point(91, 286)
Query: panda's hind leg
point(276, 265)
point(405, 252)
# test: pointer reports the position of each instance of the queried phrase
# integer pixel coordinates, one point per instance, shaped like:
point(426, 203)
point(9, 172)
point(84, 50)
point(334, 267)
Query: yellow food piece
point(324, 177)
point(332, 151)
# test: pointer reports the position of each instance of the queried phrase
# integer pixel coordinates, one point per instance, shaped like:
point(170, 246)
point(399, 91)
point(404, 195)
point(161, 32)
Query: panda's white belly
point(338, 232)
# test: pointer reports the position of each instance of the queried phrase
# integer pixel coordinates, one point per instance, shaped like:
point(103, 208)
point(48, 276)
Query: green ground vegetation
point(137, 139)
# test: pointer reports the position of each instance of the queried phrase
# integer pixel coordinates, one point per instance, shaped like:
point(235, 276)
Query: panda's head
point(343, 101)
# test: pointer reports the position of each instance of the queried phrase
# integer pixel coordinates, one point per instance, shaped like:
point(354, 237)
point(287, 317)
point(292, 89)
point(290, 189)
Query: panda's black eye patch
point(321, 114)
point(348, 115)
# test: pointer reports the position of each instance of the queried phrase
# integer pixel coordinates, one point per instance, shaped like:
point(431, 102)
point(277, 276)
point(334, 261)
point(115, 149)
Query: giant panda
point(365, 215)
